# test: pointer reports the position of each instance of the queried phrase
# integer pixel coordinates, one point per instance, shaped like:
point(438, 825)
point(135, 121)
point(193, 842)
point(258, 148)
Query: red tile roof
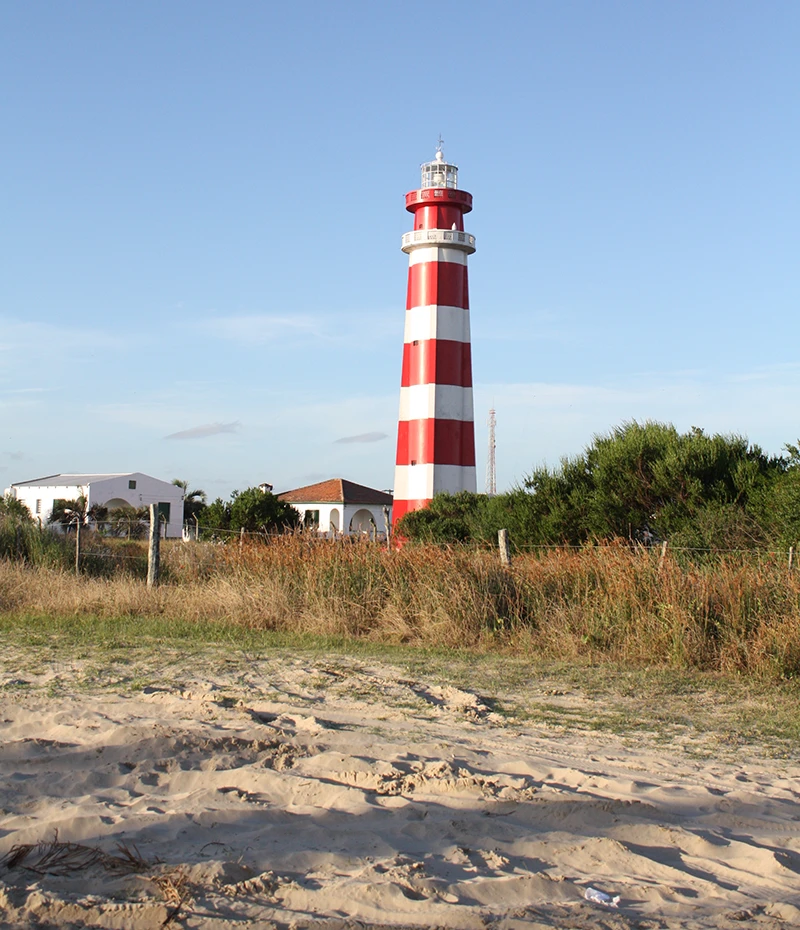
point(336, 491)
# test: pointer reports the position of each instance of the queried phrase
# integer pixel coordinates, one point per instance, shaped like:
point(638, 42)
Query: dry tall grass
point(740, 614)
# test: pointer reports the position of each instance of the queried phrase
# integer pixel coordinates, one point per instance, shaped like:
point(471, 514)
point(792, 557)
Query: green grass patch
point(705, 714)
point(125, 632)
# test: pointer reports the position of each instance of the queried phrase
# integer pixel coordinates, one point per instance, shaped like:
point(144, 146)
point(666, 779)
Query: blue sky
point(202, 206)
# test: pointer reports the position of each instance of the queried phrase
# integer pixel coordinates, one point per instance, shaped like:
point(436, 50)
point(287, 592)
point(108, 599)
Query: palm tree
point(96, 516)
point(194, 502)
point(129, 521)
point(68, 513)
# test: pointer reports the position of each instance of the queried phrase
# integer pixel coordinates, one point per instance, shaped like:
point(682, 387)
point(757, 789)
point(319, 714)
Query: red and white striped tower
point(436, 431)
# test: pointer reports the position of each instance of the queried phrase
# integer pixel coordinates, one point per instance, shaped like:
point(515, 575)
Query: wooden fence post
point(78, 546)
point(791, 557)
point(153, 549)
point(663, 554)
point(388, 525)
point(504, 546)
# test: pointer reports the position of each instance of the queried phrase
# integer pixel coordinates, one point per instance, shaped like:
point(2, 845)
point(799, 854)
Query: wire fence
point(101, 545)
point(328, 537)
point(317, 539)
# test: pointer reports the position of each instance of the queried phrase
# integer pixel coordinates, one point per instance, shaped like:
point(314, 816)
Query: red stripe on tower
point(436, 432)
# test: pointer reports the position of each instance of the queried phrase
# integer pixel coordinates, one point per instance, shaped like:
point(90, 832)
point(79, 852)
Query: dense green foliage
point(13, 510)
point(448, 518)
point(253, 510)
point(646, 482)
point(128, 522)
point(260, 511)
point(23, 539)
point(781, 506)
point(649, 480)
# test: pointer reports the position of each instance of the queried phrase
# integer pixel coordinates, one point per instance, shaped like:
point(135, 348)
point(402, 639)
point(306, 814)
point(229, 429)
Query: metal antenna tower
point(491, 477)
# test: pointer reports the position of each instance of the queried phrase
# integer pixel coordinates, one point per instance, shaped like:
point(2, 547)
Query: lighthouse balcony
point(452, 238)
point(428, 195)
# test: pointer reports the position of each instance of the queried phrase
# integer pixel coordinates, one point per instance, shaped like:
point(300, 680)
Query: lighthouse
point(436, 430)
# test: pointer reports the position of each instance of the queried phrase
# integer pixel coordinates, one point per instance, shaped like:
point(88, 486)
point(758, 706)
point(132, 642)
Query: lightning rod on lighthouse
point(436, 430)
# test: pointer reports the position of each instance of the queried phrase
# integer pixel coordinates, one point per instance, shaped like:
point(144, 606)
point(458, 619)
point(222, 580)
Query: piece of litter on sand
point(600, 897)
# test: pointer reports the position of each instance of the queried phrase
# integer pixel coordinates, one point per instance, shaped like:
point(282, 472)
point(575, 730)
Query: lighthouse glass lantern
point(438, 173)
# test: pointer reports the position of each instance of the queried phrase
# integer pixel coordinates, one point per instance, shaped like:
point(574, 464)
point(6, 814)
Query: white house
point(132, 489)
point(341, 506)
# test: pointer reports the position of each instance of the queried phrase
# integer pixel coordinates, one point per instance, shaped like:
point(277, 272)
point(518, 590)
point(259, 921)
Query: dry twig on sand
point(57, 857)
point(174, 886)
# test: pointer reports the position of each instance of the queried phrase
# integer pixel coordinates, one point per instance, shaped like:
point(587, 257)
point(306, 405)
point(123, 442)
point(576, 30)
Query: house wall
point(326, 511)
point(147, 491)
point(345, 512)
point(362, 525)
point(39, 499)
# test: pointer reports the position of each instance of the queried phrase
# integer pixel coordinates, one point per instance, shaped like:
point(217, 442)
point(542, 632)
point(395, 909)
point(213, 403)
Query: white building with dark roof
point(129, 489)
point(338, 506)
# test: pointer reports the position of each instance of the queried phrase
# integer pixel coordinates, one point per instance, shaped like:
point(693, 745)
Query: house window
point(132, 485)
point(38, 506)
point(311, 518)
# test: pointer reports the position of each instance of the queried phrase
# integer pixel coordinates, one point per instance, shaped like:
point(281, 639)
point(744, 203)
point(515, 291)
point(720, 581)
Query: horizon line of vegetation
point(641, 481)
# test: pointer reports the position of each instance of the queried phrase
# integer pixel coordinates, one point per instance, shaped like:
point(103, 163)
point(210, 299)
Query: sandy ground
point(304, 792)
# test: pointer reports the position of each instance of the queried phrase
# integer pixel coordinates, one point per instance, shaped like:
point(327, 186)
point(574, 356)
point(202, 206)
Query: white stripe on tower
point(437, 323)
point(437, 401)
point(421, 482)
point(427, 253)
point(436, 432)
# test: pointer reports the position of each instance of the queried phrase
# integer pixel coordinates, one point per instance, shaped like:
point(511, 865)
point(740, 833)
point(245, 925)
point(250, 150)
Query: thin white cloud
point(48, 338)
point(259, 329)
point(29, 390)
point(370, 327)
point(11, 399)
point(209, 429)
point(363, 437)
